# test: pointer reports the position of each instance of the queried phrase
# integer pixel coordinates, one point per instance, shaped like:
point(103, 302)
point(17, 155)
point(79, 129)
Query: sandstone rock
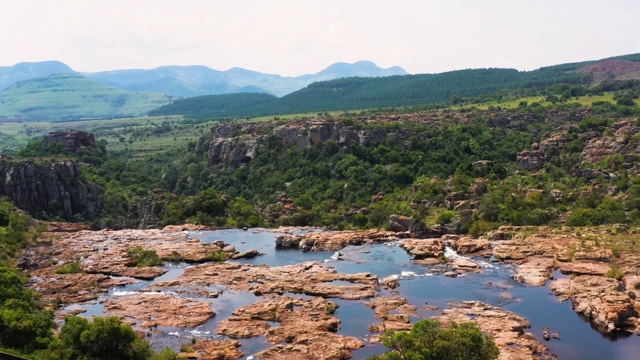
point(214, 350)
point(310, 278)
point(159, 309)
point(467, 245)
point(535, 271)
point(600, 300)
point(505, 327)
point(336, 240)
point(423, 248)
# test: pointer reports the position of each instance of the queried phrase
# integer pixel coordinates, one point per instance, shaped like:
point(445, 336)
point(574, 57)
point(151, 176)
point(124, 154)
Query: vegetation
point(70, 268)
point(42, 98)
point(429, 340)
point(27, 329)
point(140, 257)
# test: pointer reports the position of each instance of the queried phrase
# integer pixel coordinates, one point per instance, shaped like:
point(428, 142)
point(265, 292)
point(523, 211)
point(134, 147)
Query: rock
point(310, 278)
point(159, 309)
point(52, 187)
point(467, 245)
point(393, 311)
point(599, 299)
point(555, 336)
point(336, 240)
point(307, 326)
point(75, 141)
point(535, 271)
point(423, 248)
point(403, 223)
point(545, 333)
point(249, 254)
point(506, 328)
point(390, 282)
point(213, 350)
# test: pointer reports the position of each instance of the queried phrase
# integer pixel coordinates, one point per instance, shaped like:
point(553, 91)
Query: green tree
point(104, 338)
point(429, 340)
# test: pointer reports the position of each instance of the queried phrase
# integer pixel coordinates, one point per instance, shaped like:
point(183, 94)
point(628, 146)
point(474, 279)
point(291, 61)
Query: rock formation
point(49, 188)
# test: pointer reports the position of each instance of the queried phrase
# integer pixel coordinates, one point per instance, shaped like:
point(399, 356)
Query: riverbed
point(423, 286)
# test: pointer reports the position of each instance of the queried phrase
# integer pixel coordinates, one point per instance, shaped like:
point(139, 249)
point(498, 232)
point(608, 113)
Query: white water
point(451, 254)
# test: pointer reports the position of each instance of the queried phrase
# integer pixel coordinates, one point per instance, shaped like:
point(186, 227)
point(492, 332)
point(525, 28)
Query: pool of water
point(419, 284)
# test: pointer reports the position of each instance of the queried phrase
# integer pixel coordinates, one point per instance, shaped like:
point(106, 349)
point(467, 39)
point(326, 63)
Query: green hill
point(70, 96)
point(366, 93)
point(400, 90)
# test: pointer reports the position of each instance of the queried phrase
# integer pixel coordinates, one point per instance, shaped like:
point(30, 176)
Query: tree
point(429, 340)
point(104, 338)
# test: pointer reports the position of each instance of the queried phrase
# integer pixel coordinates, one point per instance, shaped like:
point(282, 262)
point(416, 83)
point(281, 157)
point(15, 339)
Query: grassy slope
point(65, 96)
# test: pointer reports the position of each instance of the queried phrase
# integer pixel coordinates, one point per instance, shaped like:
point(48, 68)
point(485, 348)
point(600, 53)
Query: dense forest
point(366, 93)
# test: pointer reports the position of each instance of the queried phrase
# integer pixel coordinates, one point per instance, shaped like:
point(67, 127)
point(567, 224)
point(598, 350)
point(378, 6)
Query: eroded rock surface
point(306, 326)
point(102, 258)
point(602, 300)
point(308, 278)
point(336, 240)
point(507, 329)
point(213, 350)
point(159, 309)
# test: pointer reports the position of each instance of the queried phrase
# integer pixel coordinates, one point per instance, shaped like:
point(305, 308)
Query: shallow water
point(420, 285)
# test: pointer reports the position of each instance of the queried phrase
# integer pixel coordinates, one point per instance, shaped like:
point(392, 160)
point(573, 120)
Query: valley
point(307, 234)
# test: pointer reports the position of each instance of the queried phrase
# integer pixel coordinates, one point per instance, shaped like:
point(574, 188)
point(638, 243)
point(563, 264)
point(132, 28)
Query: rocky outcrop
point(49, 188)
point(506, 328)
point(336, 240)
point(394, 313)
point(104, 255)
point(74, 141)
point(233, 146)
point(213, 350)
point(423, 248)
point(535, 158)
point(308, 278)
point(159, 309)
point(305, 328)
point(601, 300)
point(404, 223)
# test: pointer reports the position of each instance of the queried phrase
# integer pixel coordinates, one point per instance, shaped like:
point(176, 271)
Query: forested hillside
point(367, 93)
point(552, 162)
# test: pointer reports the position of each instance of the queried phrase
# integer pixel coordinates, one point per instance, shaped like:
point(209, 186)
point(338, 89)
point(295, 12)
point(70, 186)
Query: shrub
point(218, 256)
point(428, 340)
point(140, 257)
point(70, 268)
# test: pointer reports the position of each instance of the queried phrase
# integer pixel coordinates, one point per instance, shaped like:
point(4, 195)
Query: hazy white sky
point(294, 37)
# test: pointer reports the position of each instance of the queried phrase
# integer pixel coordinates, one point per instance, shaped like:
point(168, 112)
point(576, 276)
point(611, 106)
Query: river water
point(418, 284)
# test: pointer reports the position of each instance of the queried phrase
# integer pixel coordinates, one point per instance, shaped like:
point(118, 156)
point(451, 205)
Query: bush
point(218, 256)
point(428, 340)
point(104, 338)
point(480, 228)
point(70, 268)
point(140, 257)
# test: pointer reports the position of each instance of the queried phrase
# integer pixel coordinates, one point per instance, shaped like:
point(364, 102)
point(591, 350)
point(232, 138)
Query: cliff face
point(51, 187)
point(235, 145)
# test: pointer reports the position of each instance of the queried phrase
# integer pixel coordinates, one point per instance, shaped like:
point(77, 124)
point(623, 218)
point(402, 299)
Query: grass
point(586, 100)
point(70, 268)
point(71, 96)
point(140, 257)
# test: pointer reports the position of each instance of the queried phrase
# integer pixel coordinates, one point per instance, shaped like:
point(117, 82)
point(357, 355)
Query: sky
point(292, 38)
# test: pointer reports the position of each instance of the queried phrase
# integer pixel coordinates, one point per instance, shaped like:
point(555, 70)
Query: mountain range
point(53, 91)
point(196, 80)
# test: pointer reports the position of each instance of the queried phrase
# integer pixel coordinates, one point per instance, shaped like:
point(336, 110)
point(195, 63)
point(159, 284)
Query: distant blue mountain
point(10, 75)
point(196, 80)
point(188, 81)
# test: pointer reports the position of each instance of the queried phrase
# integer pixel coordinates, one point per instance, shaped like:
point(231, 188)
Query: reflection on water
point(420, 285)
